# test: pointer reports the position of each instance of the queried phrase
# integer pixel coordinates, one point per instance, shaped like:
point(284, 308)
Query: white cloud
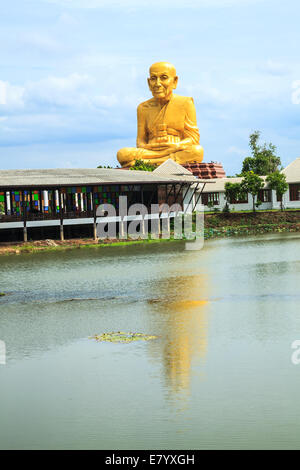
point(72, 90)
point(11, 96)
point(68, 108)
point(296, 92)
point(273, 67)
point(2, 93)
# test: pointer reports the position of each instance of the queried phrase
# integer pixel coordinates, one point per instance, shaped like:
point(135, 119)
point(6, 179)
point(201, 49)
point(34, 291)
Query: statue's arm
point(191, 131)
point(142, 134)
point(142, 138)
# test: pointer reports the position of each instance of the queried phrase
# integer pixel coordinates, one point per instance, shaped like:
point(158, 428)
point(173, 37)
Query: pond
point(218, 373)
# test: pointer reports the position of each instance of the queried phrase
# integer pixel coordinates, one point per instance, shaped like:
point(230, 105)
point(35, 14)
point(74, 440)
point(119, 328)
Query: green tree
point(252, 184)
point(142, 166)
point(264, 159)
point(107, 167)
point(233, 192)
point(277, 181)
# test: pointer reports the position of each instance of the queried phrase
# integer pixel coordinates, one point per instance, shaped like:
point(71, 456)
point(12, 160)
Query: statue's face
point(162, 81)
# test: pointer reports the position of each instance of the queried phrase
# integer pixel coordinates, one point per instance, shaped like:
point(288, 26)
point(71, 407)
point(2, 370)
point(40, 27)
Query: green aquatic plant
point(121, 337)
point(2, 294)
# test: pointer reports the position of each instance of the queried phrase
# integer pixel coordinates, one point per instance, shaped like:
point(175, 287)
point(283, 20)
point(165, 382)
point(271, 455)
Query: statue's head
point(163, 80)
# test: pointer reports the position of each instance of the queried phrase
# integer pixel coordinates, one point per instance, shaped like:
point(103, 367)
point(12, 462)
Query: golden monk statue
point(167, 125)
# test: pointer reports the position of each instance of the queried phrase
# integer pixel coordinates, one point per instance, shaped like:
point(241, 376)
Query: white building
point(213, 195)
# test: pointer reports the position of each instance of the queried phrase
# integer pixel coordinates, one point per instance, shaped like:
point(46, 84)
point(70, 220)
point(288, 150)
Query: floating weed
point(121, 337)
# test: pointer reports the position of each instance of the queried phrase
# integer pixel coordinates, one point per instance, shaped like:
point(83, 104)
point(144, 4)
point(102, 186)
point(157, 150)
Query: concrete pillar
point(122, 230)
point(61, 230)
point(95, 231)
point(25, 238)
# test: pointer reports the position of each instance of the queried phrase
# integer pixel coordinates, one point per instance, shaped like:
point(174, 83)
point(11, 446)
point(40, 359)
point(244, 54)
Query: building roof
point(219, 184)
point(168, 172)
point(172, 169)
point(169, 167)
point(79, 177)
point(292, 172)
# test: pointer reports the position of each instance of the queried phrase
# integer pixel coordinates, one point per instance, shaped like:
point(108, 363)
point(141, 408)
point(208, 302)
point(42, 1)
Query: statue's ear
point(148, 80)
point(175, 82)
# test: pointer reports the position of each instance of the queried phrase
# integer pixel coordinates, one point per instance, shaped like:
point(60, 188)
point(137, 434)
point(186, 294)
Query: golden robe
point(174, 122)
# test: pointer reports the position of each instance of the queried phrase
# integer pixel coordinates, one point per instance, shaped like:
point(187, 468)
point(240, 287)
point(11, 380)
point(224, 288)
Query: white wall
point(274, 204)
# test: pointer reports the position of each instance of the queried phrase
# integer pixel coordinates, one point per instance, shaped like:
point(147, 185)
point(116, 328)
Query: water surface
point(218, 376)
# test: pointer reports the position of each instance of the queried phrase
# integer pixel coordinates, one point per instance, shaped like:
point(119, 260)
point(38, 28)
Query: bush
point(142, 165)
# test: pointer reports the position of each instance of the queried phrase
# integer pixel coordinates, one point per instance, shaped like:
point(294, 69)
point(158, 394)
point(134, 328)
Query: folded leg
point(128, 156)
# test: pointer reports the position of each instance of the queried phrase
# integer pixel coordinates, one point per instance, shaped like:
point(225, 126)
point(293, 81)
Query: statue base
point(206, 171)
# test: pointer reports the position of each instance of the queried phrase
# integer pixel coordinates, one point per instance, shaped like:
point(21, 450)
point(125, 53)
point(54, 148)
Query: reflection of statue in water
point(186, 342)
point(183, 299)
point(167, 126)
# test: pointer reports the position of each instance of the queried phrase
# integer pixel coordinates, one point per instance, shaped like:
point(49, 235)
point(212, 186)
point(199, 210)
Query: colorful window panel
point(16, 206)
point(26, 202)
point(35, 200)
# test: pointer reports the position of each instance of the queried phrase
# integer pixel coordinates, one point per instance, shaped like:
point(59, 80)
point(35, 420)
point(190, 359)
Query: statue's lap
point(127, 156)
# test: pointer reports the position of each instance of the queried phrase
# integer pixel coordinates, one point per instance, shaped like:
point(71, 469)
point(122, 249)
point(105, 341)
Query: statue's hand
point(166, 148)
point(156, 146)
point(176, 146)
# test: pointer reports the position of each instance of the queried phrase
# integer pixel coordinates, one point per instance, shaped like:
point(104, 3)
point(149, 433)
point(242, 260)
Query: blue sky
point(72, 73)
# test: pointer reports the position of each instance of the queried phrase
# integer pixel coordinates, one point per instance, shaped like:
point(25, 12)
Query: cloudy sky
point(72, 73)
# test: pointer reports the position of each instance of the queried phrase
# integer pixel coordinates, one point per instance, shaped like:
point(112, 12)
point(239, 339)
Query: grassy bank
point(226, 225)
point(216, 225)
point(78, 243)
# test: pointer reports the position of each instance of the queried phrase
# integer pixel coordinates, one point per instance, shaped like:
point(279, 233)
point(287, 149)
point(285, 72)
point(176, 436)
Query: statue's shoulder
point(147, 104)
point(176, 99)
point(182, 100)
